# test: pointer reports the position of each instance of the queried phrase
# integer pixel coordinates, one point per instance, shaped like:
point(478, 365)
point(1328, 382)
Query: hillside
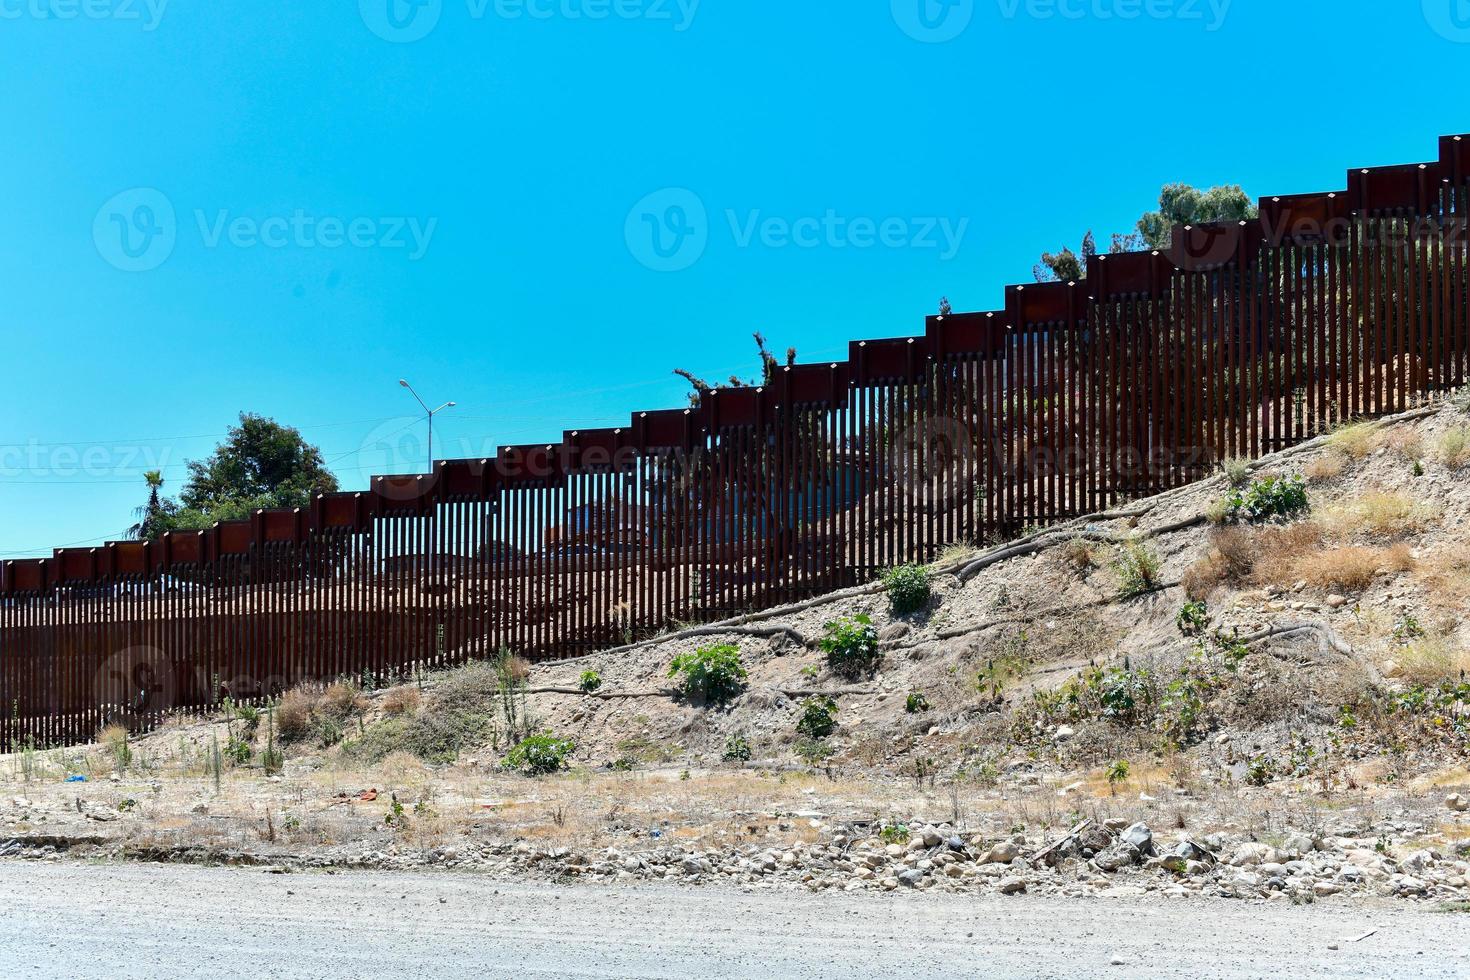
point(1177, 697)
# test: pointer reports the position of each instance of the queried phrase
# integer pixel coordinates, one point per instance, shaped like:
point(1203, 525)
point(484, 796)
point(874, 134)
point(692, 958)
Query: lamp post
point(430, 412)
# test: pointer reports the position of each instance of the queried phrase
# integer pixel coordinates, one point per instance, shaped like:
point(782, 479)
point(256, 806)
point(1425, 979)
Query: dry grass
point(1325, 468)
point(1433, 660)
point(343, 701)
point(1080, 554)
point(1355, 441)
point(1406, 441)
point(293, 714)
point(1353, 569)
point(1379, 515)
point(402, 701)
point(1285, 555)
point(1454, 447)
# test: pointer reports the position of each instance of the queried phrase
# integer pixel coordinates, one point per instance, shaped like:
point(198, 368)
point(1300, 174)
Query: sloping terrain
point(1251, 686)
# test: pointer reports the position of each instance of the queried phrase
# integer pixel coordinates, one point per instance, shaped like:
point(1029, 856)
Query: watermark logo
point(396, 447)
point(401, 21)
point(1449, 18)
point(668, 230)
point(406, 21)
point(933, 21)
point(932, 458)
point(1210, 13)
point(148, 13)
point(138, 684)
point(136, 230)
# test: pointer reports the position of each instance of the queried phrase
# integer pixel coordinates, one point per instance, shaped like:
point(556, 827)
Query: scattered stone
point(1457, 802)
point(1140, 837)
point(1011, 886)
point(1337, 601)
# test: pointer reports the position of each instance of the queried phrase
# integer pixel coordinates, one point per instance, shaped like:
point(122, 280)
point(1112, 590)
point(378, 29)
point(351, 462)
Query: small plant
point(810, 672)
point(1080, 553)
point(1138, 570)
point(1117, 773)
point(1193, 619)
point(713, 674)
point(916, 704)
point(737, 749)
point(851, 646)
point(396, 817)
point(908, 589)
point(812, 751)
point(238, 751)
point(684, 776)
point(1260, 771)
point(818, 718)
point(894, 833)
point(539, 755)
point(1236, 470)
point(115, 739)
point(1408, 629)
point(128, 804)
point(590, 681)
point(1272, 496)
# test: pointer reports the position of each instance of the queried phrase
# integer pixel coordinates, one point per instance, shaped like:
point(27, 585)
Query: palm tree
point(150, 515)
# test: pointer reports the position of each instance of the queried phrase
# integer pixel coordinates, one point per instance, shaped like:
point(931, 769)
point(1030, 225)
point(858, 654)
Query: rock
point(1391, 669)
point(1337, 601)
point(1065, 732)
point(1252, 853)
point(1174, 863)
point(910, 878)
point(1140, 837)
point(1003, 853)
point(1457, 803)
point(1417, 862)
point(98, 812)
point(1011, 886)
point(1115, 825)
point(1324, 888)
point(1116, 858)
point(932, 838)
point(955, 843)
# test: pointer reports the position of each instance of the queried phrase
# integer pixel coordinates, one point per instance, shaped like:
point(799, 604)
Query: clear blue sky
point(518, 137)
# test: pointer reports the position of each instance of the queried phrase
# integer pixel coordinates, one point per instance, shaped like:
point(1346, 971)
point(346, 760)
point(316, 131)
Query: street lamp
point(431, 413)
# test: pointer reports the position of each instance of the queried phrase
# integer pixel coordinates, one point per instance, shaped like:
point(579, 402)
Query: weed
point(894, 833)
point(818, 718)
point(713, 674)
point(114, 738)
point(1454, 447)
point(402, 701)
point(590, 681)
point(1236, 470)
point(1193, 619)
point(851, 646)
point(737, 749)
point(1117, 773)
point(1324, 469)
point(539, 755)
point(916, 704)
point(1138, 570)
point(1355, 440)
point(238, 751)
point(1260, 771)
point(1080, 553)
point(1266, 498)
point(813, 751)
point(908, 589)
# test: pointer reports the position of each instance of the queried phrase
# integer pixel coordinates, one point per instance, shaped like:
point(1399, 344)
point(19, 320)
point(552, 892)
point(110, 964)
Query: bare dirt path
point(119, 921)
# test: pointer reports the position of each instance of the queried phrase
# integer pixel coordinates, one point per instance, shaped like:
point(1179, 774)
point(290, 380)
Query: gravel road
point(77, 920)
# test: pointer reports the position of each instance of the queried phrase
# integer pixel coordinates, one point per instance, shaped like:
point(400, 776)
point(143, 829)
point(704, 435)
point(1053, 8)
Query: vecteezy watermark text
point(148, 13)
point(43, 461)
point(669, 231)
point(136, 231)
point(406, 21)
point(937, 21)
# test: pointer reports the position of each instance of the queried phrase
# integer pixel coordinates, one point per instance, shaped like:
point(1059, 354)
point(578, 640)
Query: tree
point(260, 465)
point(769, 366)
point(1181, 204)
point(1178, 204)
point(154, 516)
point(944, 308)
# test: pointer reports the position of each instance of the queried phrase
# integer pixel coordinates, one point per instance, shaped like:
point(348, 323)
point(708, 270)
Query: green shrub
point(908, 589)
point(1138, 570)
point(851, 645)
point(737, 749)
point(916, 703)
point(818, 718)
point(1193, 619)
point(539, 755)
point(590, 681)
point(437, 734)
point(894, 833)
point(812, 751)
point(1237, 471)
point(1272, 496)
point(238, 751)
point(711, 674)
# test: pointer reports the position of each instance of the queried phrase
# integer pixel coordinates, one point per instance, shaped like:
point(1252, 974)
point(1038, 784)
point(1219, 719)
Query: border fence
point(1242, 339)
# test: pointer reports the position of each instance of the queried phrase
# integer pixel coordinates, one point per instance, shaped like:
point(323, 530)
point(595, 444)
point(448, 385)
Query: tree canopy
point(260, 465)
point(1178, 204)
